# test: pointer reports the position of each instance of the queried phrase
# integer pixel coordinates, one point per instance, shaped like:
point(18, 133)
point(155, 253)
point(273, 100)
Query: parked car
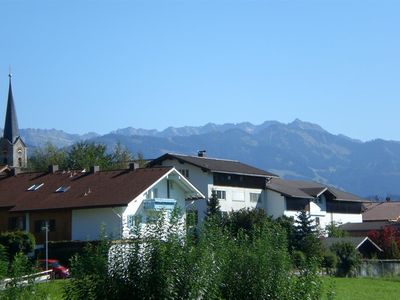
point(59, 271)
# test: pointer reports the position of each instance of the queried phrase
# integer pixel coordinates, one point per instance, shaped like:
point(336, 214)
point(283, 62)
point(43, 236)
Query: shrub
point(160, 264)
point(329, 262)
point(298, 258)
point(348, 258)
point(246, 220)
point(17, 241)
point(3, 262)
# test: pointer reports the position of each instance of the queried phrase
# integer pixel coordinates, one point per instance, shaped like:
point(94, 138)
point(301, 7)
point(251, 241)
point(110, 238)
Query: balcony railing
point(159, 204)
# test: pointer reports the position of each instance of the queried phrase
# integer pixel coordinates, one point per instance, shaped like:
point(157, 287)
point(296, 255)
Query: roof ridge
point(205, 157)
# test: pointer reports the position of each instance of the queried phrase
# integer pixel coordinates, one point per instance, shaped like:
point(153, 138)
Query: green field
point(363, 288)
point(343, 288)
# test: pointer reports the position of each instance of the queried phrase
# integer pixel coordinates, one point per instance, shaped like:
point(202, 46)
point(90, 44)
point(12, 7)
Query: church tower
point(13, 150)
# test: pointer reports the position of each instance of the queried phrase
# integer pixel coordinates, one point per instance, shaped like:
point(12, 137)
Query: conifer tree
point(213, 207)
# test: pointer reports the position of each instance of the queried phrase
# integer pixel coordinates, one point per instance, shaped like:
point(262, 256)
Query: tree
point(387, 238)
point(120, 157)
point(288, 224)
point(305, 236)
point(46, 156)
point(83, 155)
point(213, 207)
point(333, 230)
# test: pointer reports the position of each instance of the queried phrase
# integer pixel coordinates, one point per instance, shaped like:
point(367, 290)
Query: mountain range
point(298, 150)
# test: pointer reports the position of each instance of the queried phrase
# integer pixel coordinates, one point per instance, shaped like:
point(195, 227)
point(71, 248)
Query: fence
point(26, 279)
point(379, 268)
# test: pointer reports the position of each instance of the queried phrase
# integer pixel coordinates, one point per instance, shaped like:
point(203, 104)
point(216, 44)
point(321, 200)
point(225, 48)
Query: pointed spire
point(11, 131)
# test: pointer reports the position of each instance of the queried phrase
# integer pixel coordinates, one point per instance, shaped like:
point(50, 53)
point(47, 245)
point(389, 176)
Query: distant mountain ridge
point(296, 150)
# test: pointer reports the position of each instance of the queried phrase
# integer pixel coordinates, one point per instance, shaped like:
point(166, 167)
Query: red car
point(59, 271)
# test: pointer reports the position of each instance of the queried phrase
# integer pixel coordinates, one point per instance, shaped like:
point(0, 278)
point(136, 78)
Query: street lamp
point(46, 229)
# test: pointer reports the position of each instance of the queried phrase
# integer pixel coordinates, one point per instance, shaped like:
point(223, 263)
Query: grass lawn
point(363, 288)
point(54, 289)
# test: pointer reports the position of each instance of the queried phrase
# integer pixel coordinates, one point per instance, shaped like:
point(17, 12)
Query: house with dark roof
point(237, 185)
point(324, 203)
point(363, 244)
point(76, 204)
point(382, 211)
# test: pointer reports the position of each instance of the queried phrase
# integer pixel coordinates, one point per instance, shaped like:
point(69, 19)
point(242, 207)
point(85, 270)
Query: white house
point(236, 184)
point(77, 204)
point(324, 203)
point(242, 186)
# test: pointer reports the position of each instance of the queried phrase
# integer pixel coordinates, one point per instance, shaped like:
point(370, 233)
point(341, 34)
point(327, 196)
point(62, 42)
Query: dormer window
point(35, 187)
point(62, 189)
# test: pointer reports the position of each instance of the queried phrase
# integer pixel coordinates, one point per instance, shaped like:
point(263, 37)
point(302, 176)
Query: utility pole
point(46, 229)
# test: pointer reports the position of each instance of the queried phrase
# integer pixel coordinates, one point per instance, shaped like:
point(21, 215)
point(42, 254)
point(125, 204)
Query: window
point(184, 172)
point(16, 223)
point(296, 204)
point(134, 220)
point(317, 221)
point(35, 187)
point(255, 197)
point(221, 195)
point(41, 224)
point(62, 189)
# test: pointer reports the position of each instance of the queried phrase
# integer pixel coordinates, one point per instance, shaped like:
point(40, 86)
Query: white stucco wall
point(238, 198)
point(86, 223)
point(340, 218)
point(276, 205)
point(201, 180)
point(135, 207)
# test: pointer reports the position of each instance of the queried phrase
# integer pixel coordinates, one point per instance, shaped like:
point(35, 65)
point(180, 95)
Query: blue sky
point(85, 66)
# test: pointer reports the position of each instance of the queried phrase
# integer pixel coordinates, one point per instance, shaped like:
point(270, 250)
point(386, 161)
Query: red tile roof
point(100, 189)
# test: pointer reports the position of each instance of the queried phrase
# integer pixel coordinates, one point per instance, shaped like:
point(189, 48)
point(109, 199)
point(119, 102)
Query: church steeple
point(13, 151)
point(11, 131)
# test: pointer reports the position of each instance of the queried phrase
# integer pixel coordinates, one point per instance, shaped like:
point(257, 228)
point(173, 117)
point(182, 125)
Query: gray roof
point(309, 190)
point(365, 226)
point(11, 131)
point(382, 211)
point(355, 240)
point(215, 165)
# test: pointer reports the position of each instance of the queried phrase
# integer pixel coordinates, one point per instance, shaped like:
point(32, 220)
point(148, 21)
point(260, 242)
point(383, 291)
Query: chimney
point(53, 168)
point(201, 153)
point(133, 166)
point(94, 169)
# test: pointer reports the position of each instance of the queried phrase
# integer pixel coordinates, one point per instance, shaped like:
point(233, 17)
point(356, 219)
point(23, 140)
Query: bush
point(348, 258)
point(246, 220)
point(164, 264)
point(17, 241)
point(19, 267)
point(3, 262)
point(298, 258)
point(329, 262)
